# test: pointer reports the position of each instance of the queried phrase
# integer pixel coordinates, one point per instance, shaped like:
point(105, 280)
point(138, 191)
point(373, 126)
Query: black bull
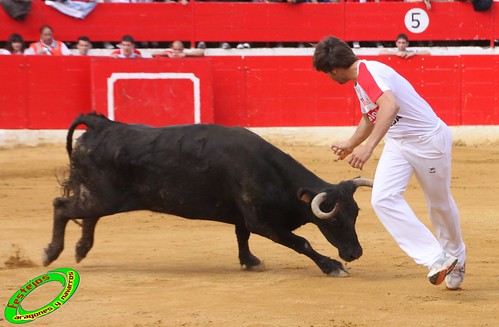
point(209, 172)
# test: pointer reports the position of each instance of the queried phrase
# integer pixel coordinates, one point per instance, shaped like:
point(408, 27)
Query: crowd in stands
point(47, 45)
point(126, 48)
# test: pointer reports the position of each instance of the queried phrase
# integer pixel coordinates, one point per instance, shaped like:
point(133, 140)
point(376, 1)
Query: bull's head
point(335, 213)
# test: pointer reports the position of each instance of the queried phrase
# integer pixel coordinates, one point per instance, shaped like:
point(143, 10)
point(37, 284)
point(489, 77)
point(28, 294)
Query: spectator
point(128, 1)
point(83, 45)
point(417, 142)
point(402, 42)
point(480, 5)
point(126, 49)
point(74, 8)
point(15, 45)
point(47, 45)
point(177, 50)
point(16, 9)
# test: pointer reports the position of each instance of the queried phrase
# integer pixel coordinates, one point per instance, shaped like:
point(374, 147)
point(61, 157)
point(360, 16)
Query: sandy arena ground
point(150, 269)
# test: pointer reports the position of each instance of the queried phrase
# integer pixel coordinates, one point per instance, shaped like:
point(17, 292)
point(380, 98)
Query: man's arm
point(194, 52)
point(388, 109)
point(362, 132)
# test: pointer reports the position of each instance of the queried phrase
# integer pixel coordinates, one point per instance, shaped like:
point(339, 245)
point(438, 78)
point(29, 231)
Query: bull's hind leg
point(54, 249)
point(246, 258)
point(87, 238)
point(66, 208)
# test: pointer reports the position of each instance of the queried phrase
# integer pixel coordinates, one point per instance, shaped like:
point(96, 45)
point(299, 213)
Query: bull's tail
point(89, 120)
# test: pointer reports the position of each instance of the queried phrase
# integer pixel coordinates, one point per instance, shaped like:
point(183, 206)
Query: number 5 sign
point(416, 20)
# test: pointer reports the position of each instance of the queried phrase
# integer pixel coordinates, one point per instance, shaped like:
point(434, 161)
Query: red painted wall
point(259, 22)
point(255, 91)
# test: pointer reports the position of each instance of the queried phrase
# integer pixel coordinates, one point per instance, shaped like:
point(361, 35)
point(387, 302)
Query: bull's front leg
point(54, 249)
point(328, 266)
point(246, 258)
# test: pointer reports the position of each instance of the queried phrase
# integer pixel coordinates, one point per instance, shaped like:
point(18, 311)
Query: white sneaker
point(454, 279)
point(441, 268)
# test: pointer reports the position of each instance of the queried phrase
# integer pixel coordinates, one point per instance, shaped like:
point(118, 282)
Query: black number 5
point(415, 21)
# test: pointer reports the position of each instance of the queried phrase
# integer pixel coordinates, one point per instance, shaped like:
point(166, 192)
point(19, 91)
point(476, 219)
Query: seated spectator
point(47, 45)
point(83, 45)
point(126, 49)
point(15, 45)
point(177, 50)
point(402, 42)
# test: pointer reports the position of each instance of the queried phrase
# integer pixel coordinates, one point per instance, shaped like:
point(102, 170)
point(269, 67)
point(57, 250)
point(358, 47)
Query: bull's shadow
point(208, 172)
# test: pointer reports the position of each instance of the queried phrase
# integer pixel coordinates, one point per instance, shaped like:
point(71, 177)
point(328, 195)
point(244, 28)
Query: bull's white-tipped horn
point(363, 182)
point(315, 205)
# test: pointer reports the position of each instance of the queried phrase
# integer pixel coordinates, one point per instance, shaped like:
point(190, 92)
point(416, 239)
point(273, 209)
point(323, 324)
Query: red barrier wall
point(262, 22)
point(255, 91)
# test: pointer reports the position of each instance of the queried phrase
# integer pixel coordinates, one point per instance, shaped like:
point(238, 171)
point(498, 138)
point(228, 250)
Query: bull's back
point(191, 165)
point(185, 146)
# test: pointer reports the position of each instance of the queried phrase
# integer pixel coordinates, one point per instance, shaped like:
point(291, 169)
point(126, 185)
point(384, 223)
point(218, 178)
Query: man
point(177, 50)
point(83, 45)
point(416, 141)
point(47, 45)
point(127, 49)
point(402, 42)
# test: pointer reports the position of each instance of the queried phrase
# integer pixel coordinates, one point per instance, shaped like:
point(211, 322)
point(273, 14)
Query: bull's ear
point(306, 195)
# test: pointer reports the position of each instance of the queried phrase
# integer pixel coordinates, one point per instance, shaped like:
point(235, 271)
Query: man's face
point(339, 75)
point(127, 47)
point(177, 48)
point(47, 36)
point(401, 44)
point(83, 47)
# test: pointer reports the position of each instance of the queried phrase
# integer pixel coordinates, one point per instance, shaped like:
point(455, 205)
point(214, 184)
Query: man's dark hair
point(83, 38)
point(402, 36)
point(128, 38)
point(331, 53)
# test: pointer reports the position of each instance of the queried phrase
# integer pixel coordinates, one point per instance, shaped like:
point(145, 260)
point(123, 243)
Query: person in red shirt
point(177, 50)
point(127, 49)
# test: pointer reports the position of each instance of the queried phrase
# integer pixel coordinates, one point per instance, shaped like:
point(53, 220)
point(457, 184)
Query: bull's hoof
point(45, 261)
point(340, 272)
point(82, 249)
point(258, 267)
point(49, 255)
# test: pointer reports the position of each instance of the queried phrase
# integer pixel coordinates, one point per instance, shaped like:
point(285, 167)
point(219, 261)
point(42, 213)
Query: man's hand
point(360, 156)
point(342, 150)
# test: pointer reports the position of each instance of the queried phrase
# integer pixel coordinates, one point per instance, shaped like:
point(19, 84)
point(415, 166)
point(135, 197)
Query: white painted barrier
point(323, 136)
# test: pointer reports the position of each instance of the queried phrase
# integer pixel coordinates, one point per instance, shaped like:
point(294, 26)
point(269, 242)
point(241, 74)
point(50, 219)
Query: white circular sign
point(416, 20)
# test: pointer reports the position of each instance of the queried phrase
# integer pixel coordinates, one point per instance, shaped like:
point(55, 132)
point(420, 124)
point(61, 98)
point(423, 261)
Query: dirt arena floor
point(154, 270)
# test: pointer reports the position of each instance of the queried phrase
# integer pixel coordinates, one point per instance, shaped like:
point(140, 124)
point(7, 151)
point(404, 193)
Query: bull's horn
point(315, 205)
point(363, 182)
